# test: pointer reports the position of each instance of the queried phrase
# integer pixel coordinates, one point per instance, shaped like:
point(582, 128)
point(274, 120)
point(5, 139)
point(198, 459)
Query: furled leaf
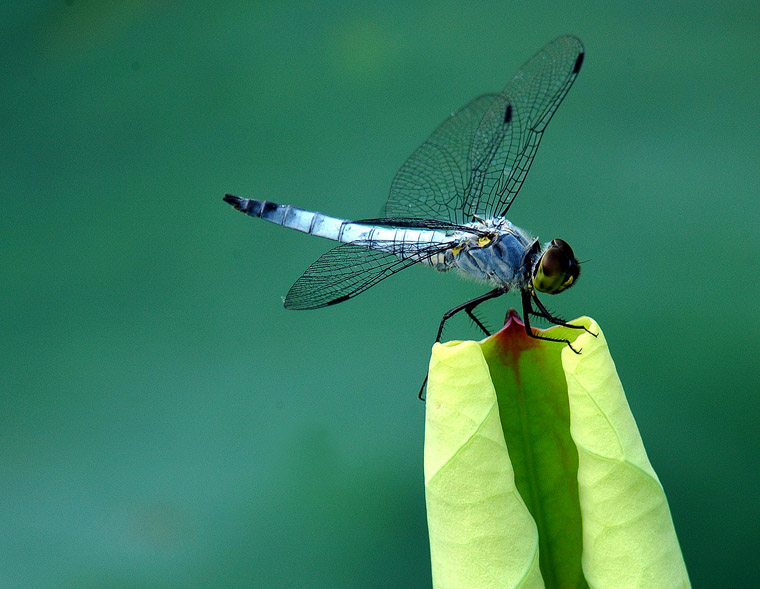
point(535, 473)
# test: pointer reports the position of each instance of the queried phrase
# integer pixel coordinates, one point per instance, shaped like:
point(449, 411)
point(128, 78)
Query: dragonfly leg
point(544, 312)
point(421, 394)
point(528, 311)
point(477, 322)
point(468, 308)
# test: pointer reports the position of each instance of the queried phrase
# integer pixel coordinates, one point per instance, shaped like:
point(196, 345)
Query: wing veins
point(351, 268)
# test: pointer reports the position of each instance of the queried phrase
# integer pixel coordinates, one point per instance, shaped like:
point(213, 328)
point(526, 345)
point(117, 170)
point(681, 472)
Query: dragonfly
point(448, 203)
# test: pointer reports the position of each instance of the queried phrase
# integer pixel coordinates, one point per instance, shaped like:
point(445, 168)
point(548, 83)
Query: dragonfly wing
point(351, 268)
point(432, 182)
point(511, 128)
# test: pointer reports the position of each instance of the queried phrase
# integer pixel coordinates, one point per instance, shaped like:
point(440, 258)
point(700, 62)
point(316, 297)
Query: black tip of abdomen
point(235, 201)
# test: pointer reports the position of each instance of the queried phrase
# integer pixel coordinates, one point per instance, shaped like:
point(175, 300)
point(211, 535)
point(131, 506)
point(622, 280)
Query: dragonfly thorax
point(498, 254)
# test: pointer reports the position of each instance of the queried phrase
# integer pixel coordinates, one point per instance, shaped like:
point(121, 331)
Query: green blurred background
point(165, 422)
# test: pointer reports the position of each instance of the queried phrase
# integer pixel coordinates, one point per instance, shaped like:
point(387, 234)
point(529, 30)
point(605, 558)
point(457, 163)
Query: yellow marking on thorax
point(485, 240)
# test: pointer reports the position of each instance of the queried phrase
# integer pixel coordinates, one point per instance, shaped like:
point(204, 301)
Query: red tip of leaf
point(511, 340)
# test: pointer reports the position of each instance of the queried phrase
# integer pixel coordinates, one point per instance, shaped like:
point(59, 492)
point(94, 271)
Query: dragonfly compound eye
point(557, 269)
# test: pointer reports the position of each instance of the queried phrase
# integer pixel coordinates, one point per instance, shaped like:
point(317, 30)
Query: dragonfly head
point(557, 269)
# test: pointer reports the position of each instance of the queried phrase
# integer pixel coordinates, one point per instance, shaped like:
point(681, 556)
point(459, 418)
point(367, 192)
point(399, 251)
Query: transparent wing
point(507, 138)
point(351, 268)
point(433, 180)
point(477, 160)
